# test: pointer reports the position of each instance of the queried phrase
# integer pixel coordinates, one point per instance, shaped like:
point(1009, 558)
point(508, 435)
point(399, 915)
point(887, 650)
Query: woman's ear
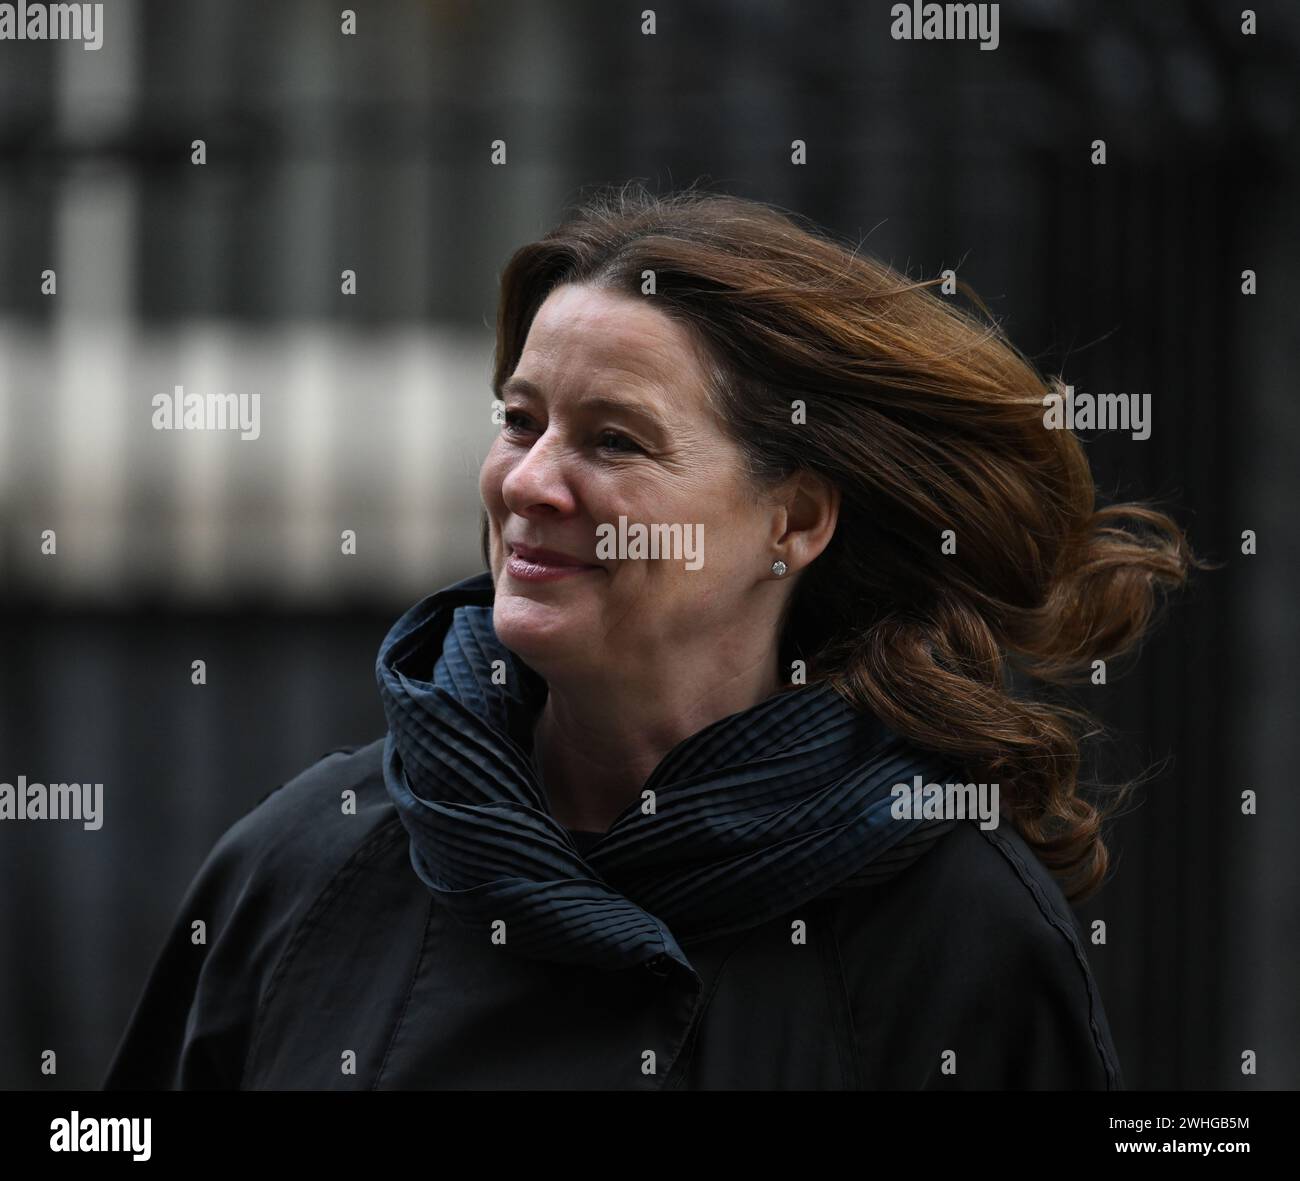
point(811, 511)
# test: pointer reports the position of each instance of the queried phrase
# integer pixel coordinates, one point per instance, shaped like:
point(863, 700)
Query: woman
point(715, 777)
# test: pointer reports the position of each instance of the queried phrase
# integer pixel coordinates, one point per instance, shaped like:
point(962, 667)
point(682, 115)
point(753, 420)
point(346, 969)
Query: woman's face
point(606, 416)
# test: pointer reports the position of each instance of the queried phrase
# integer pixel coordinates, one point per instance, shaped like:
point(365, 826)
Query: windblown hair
point(927, 419)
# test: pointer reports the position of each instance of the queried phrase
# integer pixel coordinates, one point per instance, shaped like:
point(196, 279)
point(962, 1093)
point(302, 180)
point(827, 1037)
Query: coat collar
point(754, 815)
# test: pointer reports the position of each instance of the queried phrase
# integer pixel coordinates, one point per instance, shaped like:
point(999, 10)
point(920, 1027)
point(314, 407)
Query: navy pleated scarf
point(754, 815)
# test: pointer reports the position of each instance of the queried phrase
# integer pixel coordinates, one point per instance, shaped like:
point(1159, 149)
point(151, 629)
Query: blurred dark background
point(373, 152)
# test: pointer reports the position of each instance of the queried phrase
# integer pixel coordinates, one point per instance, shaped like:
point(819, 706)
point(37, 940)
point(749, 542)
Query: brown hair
point(927, 419)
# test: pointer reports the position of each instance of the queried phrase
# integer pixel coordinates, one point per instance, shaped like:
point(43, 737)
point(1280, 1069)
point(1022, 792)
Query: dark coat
point(330, 964)
point(322, 939)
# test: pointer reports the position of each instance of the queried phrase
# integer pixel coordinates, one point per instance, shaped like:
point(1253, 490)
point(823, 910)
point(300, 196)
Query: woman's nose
point(538, 479)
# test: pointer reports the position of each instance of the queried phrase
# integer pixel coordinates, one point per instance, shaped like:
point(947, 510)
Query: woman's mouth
point(531, 564)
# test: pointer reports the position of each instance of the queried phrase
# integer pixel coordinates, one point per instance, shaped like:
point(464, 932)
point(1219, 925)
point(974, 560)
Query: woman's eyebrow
point(522, 387)
point(602, 402)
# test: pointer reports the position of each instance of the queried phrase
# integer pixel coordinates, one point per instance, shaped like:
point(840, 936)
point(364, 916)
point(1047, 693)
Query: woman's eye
point(515, 422)
point(613, 441)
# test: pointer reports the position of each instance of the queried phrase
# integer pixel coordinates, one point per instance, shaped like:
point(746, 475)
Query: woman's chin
point(535, 630)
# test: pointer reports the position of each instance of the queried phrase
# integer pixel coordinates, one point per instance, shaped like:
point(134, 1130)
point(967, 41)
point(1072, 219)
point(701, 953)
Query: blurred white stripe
point(93, 262)
point(93, 233)
point(443, 406)
point(298, 419)
point(204, 473)
point(380, 432)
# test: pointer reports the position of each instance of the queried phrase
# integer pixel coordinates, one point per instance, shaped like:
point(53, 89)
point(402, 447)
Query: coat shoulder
point(268, 878)
point(982, 880)
point(1001, 883)
point(307, 826)
point(302, 834)
point(981, 929)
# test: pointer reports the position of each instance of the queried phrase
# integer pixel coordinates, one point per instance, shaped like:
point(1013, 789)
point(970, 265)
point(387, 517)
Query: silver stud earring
point(779, 567)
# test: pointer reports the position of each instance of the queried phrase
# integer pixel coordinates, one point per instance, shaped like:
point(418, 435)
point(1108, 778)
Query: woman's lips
point(538, 565)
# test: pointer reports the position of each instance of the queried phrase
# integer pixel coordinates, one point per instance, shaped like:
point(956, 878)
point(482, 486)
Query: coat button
point(659, 964)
